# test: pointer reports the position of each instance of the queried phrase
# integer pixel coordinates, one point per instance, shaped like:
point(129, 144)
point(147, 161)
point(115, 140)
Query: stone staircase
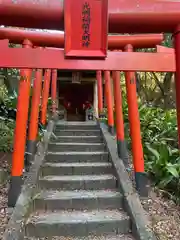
point(78, 197)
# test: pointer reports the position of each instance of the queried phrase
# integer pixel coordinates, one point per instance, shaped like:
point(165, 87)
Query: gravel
point(163, 213)
point(4, 215)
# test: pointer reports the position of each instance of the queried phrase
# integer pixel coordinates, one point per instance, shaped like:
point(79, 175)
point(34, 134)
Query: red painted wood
point(45, 95)
point(5, 43)
point(138, 41)
point(134, 120)
point(100, 91)
point(21, 119)
point(162, 49)
point(109, 98)
point(124, 15)
point(35, 102)
point(118, 105)
point(54, 59)
point(177, 76)
point(54, 90)
point(86, 28)
point(51, 39)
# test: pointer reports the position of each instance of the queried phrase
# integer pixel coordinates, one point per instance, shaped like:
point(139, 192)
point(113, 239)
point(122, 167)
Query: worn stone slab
point(77, 132)
point(78, 200)
point(140, 223)
point(76, 123)
point(76, 147)
point(87, 182)
point(90, 237)
point(79, 126)
point(77, 156)
point(78, 139)
point(77, 168)
point(77, 223)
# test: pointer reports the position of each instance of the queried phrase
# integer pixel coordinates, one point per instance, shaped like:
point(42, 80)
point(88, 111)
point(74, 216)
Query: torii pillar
point(177, 76)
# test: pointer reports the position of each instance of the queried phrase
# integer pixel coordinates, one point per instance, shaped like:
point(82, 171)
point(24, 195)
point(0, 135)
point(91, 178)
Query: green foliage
point(9, 100)
point(160, 145)
point(6, 135)
point(168, 40)
point(6, 125)
point(3, 93)
point(159, 137)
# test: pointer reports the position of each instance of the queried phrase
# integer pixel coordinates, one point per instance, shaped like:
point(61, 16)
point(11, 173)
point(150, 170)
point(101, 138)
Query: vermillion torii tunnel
point(66, 89)
point(75, 91)
point(124, 17)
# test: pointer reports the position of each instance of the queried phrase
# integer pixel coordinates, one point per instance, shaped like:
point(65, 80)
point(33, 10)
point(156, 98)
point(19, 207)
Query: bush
point(6, 136)
point(160, 145)
point(7, 124)
point(8, 116)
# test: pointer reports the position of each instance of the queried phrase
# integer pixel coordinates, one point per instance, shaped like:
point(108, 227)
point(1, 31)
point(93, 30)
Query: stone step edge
point(72, 123)
point(90, 237)
point(78, 153)
point(76, 144)
point(76, 130)
point(73, 178)
point(77, 164)
point(87, 216)
point(91, 136)
point(66, 195)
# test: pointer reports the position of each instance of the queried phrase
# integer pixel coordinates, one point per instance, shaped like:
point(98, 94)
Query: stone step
point(79, 126)
point(78, 168)
point(76, 182)
point(77, 132)
point(76, 147)
point(77, 156)
point(90, 237)
point(78, 200)
point(77, 223)
point(79, 139)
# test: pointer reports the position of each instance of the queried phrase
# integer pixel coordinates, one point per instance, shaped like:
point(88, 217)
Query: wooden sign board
point(86, 28)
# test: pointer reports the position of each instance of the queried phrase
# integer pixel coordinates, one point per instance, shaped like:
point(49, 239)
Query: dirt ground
point(164, 215)
point(5, 163)
point(4, 216)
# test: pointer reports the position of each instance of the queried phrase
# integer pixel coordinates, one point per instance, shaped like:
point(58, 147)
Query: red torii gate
point(36, 58)
point(56, 40)
point(163, 49)
point(114, 42)
point(124, 16)
point(26, 58)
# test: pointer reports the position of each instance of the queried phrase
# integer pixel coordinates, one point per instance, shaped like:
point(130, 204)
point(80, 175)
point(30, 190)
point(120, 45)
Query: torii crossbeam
point(124, 15)
point(54, 59)
point(56, 40)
